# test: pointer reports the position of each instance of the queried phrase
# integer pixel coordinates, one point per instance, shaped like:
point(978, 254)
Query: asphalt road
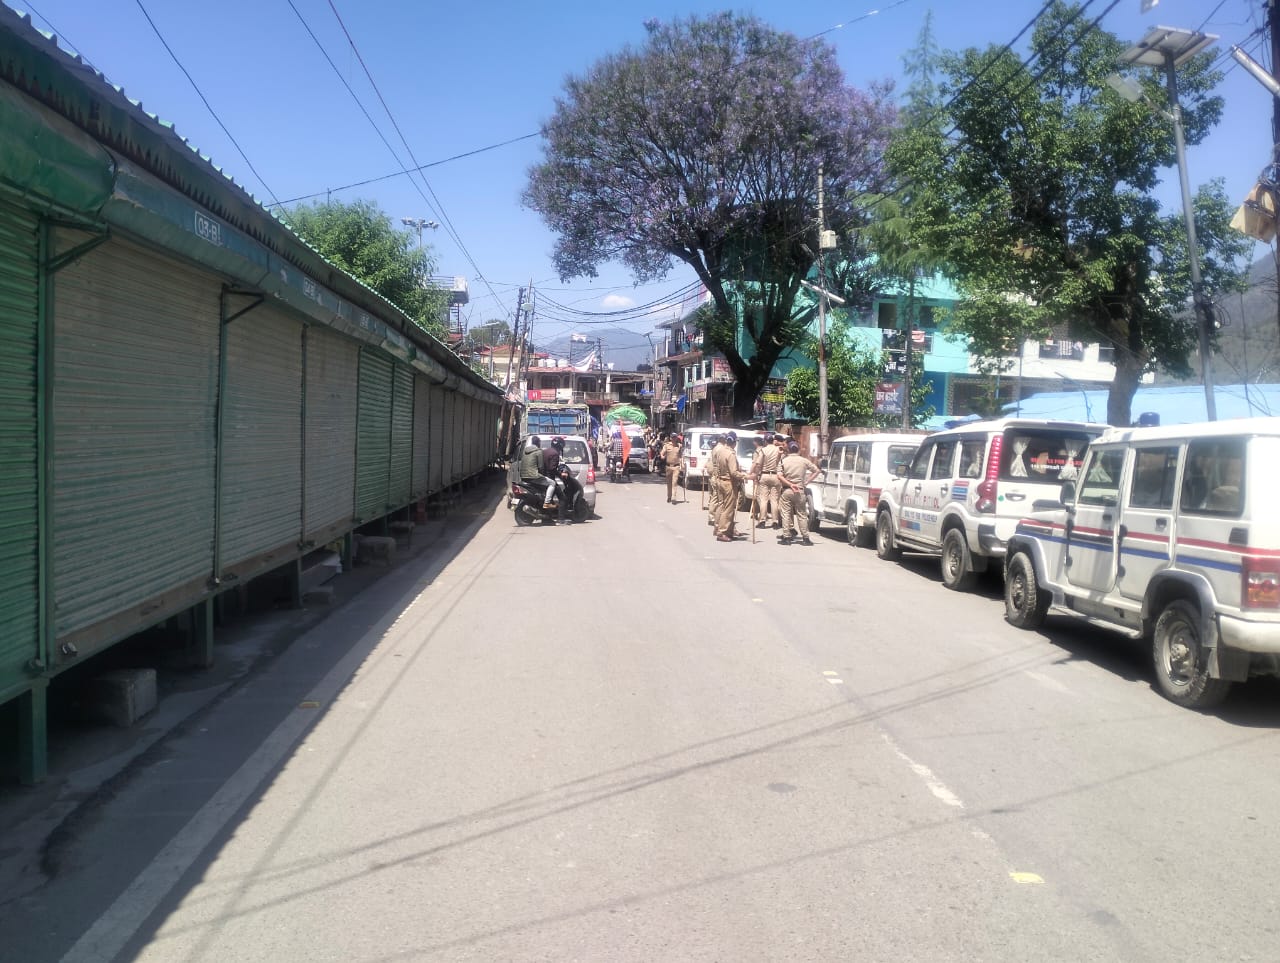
point(627, 741)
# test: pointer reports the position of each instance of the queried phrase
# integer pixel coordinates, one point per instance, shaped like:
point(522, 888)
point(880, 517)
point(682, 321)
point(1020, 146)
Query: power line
point(409, 171)
point(196, 87)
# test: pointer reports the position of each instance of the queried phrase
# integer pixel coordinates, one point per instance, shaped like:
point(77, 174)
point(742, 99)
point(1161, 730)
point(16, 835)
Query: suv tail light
point(693, 461)
point(987, 487)
point(873, 497)
point(1260, 588)
point(591, 475)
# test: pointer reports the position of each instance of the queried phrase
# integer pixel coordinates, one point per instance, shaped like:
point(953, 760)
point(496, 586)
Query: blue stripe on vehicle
point(1207, 563)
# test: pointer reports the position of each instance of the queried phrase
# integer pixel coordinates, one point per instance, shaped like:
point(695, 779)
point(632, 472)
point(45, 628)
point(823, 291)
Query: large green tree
point(1036, 194)
point(359, 238)
point(704, 147)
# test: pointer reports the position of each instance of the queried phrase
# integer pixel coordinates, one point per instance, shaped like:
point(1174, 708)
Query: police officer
point(768, 493)
point(793, 475)
point(671, 454)
point(726, 477)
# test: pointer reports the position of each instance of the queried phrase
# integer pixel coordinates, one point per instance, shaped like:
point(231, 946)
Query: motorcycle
point(616, 468)
point(528, 505)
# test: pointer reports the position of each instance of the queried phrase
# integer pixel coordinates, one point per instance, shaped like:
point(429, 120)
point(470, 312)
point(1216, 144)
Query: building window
point(887, 314)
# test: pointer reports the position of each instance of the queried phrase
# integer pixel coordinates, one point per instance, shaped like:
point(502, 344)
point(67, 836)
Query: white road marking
point(934, 784)
point(1047, 681)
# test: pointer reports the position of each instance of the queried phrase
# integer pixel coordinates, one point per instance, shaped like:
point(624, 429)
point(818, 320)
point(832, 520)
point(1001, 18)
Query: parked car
point(857, 470)
point(639, 458)
point(967, 488)
point(577, 455)
point(1169, 533)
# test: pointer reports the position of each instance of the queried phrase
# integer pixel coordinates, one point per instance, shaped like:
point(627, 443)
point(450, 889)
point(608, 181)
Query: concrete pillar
point(33, 733)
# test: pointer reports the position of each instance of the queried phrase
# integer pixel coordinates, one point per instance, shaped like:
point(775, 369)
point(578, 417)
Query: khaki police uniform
point(671, 457)
point(726, 478)
point(770, 490)
point(794, 472)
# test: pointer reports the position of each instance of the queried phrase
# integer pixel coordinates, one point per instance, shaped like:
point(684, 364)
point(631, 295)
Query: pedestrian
point(671, 459)
point(770, 494)
point(726, 477)
point(794, 474)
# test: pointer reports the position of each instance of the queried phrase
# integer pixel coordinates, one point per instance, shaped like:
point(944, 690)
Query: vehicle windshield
point(575, 453)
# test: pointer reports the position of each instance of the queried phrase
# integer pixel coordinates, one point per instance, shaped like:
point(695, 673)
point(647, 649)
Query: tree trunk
point(1123, 388)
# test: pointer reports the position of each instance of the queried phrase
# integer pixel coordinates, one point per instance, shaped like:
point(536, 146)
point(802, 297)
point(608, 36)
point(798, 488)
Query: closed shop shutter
point(436, 465)
point(135, 382)
point(401, 436)
point(262, 436)
point(374, 438)
point(333, 365)
point(421, 436)
point(19, 435)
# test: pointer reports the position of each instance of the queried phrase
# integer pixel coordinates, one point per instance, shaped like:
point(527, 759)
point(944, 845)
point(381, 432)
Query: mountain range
point(621, 347)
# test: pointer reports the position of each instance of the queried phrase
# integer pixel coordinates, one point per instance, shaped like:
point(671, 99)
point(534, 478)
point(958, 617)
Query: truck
point(550, 418)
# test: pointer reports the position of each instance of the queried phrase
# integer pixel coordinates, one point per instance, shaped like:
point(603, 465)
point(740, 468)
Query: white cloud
point(617, 302)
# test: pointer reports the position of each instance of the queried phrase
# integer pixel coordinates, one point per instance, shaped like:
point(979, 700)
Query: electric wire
point(438, 210)
point(199, 93)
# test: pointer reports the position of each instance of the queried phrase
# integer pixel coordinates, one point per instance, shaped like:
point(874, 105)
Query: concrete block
point(320, 595)
point(123, 696)
point(379, 547)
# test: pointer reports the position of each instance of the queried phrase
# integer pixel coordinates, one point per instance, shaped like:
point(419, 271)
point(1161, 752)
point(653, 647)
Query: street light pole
point(419, 223)
point(1170, 47)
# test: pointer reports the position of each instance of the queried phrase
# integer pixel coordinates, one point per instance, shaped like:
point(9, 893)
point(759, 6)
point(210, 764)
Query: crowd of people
point(779, 472)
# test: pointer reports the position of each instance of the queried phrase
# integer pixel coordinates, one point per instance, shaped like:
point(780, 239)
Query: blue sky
point(458, 77)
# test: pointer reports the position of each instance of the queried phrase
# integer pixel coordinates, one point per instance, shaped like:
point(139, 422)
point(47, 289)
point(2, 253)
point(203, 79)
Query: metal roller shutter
point(421, 436)
point(401, 437)
point(19, 446)
point(373, 446)
point(333, 365)
point(435, 466)
point(135, 380)
point(262, 436)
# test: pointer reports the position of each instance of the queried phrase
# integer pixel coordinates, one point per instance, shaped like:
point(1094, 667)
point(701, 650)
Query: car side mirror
point(1067, 495)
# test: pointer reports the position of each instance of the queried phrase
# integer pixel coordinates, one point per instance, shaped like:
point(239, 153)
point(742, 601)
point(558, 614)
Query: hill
point(625, 349)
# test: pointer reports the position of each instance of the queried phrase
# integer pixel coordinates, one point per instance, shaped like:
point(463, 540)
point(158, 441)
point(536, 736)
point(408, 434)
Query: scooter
point(528, 502)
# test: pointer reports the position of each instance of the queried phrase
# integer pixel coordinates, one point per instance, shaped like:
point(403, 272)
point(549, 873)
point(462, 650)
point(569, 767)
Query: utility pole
point(906, 352)
point(515, 342)
point(823, 412)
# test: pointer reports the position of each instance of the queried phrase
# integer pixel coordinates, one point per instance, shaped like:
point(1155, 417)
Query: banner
point(889, 397)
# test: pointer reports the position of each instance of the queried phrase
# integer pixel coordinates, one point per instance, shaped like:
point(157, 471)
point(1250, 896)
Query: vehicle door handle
point(1016, 497)
point(1106, 517)
point(1162, 523)
point(942, 489)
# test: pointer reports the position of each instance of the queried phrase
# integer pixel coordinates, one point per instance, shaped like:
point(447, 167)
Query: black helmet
point(557, 444)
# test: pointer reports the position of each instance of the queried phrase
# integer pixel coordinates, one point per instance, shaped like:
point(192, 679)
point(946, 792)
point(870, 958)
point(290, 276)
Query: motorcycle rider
point(531, 476)
point(571, 491)
point(615, 452)
point(552, 457)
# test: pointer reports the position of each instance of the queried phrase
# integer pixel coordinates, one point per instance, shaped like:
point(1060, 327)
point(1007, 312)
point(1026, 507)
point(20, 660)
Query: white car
point(853, 476)
point(1171, 534)
point(967, 488)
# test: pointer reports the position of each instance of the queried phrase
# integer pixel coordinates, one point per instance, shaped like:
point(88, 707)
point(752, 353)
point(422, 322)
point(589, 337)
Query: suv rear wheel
point(957, 566)
point(851, 527)
point(885, 546)
point(1025, 606)
point(1181, 663)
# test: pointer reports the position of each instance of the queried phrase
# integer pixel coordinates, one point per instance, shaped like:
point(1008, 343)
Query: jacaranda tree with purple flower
point(704, 147)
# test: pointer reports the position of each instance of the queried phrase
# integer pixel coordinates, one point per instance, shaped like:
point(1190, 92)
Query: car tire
point(581, 511)
point(852, 530)
point(1181, 661)
point(1025, 605)
point(957, 565)
point(815, 520)
point(885, 546)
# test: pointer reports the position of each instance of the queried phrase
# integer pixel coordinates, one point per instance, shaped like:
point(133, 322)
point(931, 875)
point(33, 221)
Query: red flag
point(626, 448)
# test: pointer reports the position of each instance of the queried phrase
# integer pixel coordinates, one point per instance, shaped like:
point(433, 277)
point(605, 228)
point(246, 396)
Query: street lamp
point(1171, 47)
point(419, 223)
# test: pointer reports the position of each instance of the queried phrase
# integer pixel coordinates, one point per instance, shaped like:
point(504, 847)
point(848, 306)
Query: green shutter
point(262, 437)
point(401, 437)
point(421, 436)
point(135, 379)
point(373, 461)
point(19, 434)
point(436, 465)
point(333, 364)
